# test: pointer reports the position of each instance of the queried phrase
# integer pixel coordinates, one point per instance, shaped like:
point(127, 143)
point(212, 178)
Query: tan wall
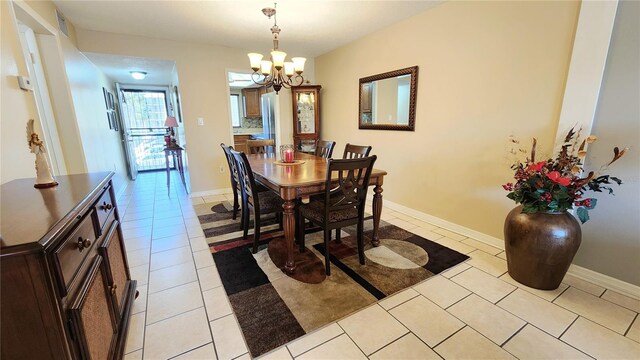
point(102, 146)
point(203, 88)
point(487, 70)
point(610, 243)
point(18, 106)
point(47, 10)
point(76, 87)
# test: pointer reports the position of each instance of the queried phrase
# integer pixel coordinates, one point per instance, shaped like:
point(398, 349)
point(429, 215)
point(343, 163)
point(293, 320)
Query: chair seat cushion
point(314, 210)
point(270, 202)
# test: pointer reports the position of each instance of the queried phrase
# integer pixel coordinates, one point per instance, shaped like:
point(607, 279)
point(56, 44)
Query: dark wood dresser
point(65, 288)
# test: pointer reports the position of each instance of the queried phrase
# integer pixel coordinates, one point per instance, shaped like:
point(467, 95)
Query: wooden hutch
point(306, 117)
point(66, 292)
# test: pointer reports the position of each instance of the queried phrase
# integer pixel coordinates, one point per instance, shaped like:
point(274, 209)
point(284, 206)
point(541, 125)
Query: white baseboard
point(575, 270)
point(488, 239)
point(605, 281)
point(210, 192)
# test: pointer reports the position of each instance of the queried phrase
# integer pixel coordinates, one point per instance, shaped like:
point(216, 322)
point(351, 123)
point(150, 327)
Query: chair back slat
point(245, 177)
point(233, 169)
point(349, 190)
point(261, 146)
point(355, 151)
point(325, 148)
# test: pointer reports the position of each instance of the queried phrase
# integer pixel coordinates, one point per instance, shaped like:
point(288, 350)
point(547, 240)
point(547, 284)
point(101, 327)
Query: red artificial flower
point(537, 166)
point(564, 181)
point(558, 179)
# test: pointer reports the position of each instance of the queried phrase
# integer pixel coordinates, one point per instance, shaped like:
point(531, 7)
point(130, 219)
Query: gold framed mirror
point(388, 100)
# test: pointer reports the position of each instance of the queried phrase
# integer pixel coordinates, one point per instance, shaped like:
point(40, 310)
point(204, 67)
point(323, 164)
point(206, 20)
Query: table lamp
point(169, 138)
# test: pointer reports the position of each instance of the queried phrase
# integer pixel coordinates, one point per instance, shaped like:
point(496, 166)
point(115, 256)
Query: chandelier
point(277, 72)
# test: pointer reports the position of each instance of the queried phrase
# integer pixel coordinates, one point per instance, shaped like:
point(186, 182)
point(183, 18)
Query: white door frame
point(42, 98)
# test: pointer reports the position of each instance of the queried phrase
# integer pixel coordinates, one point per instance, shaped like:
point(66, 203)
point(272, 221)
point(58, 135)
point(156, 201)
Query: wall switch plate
point(25, 83)
point(200, 121)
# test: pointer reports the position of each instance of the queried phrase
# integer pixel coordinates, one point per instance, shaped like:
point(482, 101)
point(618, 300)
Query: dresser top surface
point(28, 215)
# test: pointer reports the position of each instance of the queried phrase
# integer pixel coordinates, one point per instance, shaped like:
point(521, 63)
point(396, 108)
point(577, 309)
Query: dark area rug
point(274, 308)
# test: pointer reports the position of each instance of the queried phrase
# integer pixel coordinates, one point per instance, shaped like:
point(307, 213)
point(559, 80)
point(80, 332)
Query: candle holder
point(286, 153)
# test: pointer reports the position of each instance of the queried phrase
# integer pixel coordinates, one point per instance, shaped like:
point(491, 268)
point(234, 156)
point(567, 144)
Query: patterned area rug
point(274, 308)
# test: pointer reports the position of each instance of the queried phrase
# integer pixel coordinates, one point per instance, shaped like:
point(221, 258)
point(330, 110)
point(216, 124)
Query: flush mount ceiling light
point(138, 75)
point(277, 72)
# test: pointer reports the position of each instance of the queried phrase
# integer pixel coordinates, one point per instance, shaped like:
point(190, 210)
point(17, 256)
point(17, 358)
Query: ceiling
point(118, 67)
point(309, 27)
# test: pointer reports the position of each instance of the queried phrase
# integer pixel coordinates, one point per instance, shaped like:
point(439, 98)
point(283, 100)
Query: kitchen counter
point(247, 131)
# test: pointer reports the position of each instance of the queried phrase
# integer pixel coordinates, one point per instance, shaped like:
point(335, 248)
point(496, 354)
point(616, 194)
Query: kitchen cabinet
point(251, 99)
point(366, 97)
point(240, 142)
point(306, 117)
point(66, 291)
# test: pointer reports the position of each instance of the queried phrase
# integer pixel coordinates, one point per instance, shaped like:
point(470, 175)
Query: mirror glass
point(387, 101)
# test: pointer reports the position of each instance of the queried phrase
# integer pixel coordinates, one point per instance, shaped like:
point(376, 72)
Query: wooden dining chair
point(235, 184)
point(325, 148)
point(261, 146)
point(342, 205)
point(261, 203)
point(355, 151)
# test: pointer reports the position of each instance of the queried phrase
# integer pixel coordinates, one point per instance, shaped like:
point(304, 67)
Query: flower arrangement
point(556, 185)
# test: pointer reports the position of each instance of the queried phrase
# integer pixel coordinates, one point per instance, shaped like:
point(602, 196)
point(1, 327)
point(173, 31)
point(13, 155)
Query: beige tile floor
point(472, 311)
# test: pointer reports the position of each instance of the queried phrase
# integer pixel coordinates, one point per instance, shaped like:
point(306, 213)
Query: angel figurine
point(44, 177)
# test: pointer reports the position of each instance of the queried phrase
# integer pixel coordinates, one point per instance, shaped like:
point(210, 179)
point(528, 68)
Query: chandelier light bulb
point(289, 68)
point(277, 73)
point(265, 67)
point(298, 63)
point(278, 58)
point(255, 59)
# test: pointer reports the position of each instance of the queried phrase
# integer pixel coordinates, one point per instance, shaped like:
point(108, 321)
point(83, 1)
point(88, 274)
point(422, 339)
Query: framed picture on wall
point(112, 103)
point(109, 119)
point(105, 93)
point(176, 93)
point(116, 125)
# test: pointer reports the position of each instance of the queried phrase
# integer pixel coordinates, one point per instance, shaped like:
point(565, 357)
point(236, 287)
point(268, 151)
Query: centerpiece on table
point(541, 236)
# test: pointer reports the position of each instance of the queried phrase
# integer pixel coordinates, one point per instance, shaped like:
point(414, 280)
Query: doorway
point(144, 111)
point(46, 118)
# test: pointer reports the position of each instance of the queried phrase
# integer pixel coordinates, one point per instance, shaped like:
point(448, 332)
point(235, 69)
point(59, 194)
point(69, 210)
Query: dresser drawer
point(69, 255)
point(104, 207)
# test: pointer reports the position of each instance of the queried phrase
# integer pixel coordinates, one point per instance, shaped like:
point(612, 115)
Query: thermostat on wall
point(25, 83)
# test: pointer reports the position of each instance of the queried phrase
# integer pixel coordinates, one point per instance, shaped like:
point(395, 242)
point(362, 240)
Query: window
point(235, 110)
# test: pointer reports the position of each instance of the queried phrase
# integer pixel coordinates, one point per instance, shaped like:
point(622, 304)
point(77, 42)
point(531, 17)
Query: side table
point(176, 152)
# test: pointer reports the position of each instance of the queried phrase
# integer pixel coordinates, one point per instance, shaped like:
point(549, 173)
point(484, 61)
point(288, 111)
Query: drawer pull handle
point(106, 206)
point(113, 289)
point(83, 243)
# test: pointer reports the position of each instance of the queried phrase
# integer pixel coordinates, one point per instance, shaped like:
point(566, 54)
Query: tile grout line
point(635, 318)
point(146, 306)
point(513, 335)
point(569, 327)
point(204, 303)
point(190, 350)
point(592, 320)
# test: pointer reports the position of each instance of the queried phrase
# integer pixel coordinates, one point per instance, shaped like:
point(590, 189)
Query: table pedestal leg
point(289, 224)
point(166, 159)
point(377, 211)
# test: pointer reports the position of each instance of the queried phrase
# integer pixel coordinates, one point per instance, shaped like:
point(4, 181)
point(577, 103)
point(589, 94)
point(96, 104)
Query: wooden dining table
point(306, 177)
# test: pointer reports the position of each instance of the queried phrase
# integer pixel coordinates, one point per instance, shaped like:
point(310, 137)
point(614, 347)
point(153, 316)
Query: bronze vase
point(540, 246)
